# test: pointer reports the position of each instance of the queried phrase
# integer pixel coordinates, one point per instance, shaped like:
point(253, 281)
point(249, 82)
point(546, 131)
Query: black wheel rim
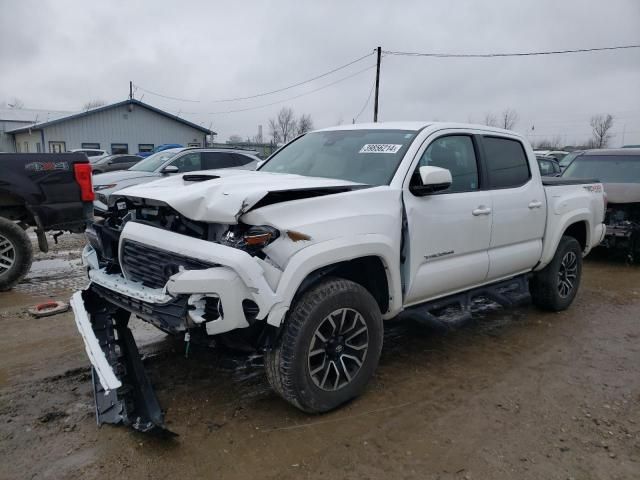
point(338, 349)
point(567, 274)
point(7, 255)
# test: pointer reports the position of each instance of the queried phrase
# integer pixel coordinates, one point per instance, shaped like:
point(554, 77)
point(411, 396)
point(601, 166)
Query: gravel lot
point(512, 394)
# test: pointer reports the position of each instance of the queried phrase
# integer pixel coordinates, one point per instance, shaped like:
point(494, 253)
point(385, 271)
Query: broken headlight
point(250, 239)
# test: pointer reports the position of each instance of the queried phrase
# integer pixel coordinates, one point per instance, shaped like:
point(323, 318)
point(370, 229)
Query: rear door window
point(506, 160)
point(125, 159)
point(242, 159)
point(213, 160)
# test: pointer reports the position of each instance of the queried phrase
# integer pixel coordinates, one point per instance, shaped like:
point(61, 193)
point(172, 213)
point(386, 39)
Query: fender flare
point(563, 222)
point(334, 251)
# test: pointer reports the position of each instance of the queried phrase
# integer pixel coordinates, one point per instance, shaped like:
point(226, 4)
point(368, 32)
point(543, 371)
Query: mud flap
point(134, 403)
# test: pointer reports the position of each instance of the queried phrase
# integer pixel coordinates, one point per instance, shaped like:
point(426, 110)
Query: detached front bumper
point(122, 390)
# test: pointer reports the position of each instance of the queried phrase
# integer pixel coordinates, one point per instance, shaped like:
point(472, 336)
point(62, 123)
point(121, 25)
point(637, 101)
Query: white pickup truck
point(339, 230)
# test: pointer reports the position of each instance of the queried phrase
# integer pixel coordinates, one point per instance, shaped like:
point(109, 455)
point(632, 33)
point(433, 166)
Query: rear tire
point(329, 348)
point(554, 287)
point(15, 254)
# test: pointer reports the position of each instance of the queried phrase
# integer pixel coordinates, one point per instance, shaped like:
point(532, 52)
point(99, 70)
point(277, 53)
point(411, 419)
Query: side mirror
point(433, 179)
point(170, 169)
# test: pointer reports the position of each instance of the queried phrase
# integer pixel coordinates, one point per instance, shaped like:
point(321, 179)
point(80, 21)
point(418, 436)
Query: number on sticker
point(380, 148)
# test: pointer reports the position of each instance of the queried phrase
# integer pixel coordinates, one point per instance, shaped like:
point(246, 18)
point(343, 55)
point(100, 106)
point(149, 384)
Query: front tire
point(329, 349)
point(15, 254)
point(554, 287)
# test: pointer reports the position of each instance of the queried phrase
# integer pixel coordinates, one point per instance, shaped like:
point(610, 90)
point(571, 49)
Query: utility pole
point(375, 105)
point(130, 90)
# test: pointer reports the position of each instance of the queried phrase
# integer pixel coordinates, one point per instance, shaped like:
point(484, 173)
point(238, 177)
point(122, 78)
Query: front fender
point(334, 251)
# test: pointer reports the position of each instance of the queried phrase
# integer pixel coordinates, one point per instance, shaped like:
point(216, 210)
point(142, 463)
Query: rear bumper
point(71, 216)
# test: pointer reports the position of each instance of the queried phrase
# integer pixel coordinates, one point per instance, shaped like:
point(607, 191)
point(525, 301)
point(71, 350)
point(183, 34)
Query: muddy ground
point(513, 394)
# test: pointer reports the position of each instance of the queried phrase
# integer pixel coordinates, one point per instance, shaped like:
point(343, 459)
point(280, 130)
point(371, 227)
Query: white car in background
point(93, 154)
point(557, 154)
point(169, 162)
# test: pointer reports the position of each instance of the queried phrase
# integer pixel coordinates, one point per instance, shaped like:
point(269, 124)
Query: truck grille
point(153, 266)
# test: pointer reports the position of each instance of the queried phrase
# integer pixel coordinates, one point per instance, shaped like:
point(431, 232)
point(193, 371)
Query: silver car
point(113, 163)
point(169, 162)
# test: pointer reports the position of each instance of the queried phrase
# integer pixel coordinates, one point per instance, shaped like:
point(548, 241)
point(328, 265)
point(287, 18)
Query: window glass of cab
point(456, 154)
point(507, 164)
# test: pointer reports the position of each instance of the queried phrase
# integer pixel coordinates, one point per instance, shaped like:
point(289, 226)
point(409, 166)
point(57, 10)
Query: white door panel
point(512, 259)
point(447, 242)
point(519, 216)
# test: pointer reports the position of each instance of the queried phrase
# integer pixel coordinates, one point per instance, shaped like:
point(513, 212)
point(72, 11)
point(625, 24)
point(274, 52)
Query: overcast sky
point(61, 54)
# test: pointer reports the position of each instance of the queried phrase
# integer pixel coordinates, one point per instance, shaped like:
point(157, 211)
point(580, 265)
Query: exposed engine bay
point(623, 229)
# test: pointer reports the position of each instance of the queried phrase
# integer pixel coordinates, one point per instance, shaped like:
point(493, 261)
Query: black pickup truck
point(48, 191)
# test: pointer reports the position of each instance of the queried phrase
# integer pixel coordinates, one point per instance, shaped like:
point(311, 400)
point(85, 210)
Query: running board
point(508, 293)
point(135, 403)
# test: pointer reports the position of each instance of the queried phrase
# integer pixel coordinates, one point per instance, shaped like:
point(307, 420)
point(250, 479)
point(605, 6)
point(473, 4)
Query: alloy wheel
point(338, 349)
point(567, 274)
point(7, 255)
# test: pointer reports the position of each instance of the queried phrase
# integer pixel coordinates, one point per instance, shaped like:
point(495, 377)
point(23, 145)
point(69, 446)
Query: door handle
point(481, 210)
point(535, 204)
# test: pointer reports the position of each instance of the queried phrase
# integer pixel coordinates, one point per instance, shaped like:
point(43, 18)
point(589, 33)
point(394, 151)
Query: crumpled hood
point(224, 199)
point(622, 192)
point(120, 176)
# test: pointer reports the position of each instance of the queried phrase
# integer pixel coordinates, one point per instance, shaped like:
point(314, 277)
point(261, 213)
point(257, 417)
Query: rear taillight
point(83, 177)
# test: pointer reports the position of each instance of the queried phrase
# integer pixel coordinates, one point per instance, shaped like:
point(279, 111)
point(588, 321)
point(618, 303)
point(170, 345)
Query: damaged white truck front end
point(233, 260)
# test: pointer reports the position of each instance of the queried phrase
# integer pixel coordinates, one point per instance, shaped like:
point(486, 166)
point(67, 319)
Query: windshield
point(606, 168)
point(363, 156)
point(568, 158)
point(152, 162)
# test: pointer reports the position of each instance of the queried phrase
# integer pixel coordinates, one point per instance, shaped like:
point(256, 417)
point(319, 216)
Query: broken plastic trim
point(135, 403)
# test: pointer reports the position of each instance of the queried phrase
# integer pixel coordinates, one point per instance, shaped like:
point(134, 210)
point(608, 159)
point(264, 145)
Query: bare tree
point(305, 124)
point(490, 120)
point(95, 103)
point(600, 126)
point(234, 139)
point(508, 119)
point(283, 127)
point(273, 128)
point(15, 103)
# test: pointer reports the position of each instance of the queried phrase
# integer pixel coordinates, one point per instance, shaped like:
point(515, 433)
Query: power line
point(511, 54)
point(286, 99)
point(262, 94)
point(373, 85)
